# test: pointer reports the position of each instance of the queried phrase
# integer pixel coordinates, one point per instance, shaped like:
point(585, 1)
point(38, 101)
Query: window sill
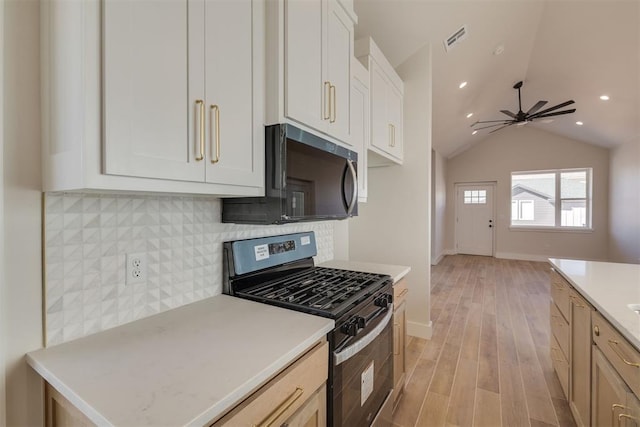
point(551, 229)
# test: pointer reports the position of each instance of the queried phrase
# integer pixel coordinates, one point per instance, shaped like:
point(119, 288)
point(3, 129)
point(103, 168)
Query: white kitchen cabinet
point(310, 45)
point(360, 123)
point(167, 98)
point(387, 93)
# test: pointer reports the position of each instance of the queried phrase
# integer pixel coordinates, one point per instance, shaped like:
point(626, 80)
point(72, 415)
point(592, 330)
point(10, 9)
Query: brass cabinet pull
point(403, 293)
point(332, 96)
point(390, 135)
point(216, 110)
point(596, 331)
point(393, 127)
point(396, 339)
point(553, 353)
point(200, 104)
point(327, 101)
point(277, 413)
point(614, 346)
point(576, 302)
point(635, 420)
point(613, 411)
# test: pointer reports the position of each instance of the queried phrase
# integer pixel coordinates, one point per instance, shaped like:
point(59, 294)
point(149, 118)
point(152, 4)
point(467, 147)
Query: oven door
point(363, 373)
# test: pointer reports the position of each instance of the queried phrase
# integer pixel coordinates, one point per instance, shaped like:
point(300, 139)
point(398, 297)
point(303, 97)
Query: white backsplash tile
point(87, 236)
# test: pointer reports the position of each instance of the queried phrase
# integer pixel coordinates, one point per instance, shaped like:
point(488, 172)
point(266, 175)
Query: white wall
point(22, 291)
point(393, 227)
point(341, 238)
point(528, 148)
point(624, 203)
point(438, 206)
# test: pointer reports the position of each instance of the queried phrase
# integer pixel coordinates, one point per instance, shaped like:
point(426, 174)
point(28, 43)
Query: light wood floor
point(488, 361)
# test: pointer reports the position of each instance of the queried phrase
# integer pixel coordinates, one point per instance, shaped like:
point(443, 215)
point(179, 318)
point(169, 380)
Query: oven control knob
point(381, 301)
point(350, 329)
point(361, 322)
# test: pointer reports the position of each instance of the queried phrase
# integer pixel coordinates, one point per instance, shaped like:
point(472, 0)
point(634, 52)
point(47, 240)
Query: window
point(475, 197)
point(551, 199)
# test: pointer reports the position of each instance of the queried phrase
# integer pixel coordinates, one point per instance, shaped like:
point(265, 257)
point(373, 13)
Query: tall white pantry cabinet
point(153, 96)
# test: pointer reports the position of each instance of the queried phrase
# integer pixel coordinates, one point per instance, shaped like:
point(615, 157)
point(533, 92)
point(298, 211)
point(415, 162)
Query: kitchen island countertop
point(185, 366)
point(396, 272)
point(610, 288)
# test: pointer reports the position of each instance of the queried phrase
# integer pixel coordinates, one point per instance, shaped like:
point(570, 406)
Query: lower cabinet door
point(313, 413)
point(399, 357)
point(609, 393)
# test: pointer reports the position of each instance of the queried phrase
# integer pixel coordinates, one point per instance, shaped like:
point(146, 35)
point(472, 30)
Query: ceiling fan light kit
point(521, 118)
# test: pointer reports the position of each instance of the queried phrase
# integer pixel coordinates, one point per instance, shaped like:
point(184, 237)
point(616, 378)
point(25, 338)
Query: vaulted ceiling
point(561, 49)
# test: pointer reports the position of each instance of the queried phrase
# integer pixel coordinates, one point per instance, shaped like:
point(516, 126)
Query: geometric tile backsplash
point(86, 237)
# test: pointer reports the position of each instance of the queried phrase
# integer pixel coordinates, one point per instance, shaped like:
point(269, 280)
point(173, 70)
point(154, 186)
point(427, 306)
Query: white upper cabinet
point(171, 96)
point(310, 46)
point(360, 123)
point(387, 92)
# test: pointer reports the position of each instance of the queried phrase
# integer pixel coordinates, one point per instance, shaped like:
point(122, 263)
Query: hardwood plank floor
point(488, 361)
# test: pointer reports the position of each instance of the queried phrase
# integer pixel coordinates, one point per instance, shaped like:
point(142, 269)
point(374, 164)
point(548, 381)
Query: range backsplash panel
point(87, 237)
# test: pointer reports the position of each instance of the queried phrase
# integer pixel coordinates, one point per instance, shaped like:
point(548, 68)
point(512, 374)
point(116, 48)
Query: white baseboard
point(437, 259)
point(449, 252)
point(420, 330)
point(522, 257)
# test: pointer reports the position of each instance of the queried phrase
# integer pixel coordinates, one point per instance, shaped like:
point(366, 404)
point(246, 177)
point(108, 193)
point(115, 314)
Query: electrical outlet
point(136, 269)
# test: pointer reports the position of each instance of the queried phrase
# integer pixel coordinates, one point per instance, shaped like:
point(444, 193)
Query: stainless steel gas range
point(280, 270)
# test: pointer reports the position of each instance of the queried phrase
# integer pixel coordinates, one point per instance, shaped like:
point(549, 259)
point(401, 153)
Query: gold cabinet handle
point(613, 411)
point(332, 96)
point(596, 331)
point(390, 135)
point(393, 127)
point(215, 109)
point(396, 338)
point(327, 101)
point(200, 105)
point(403, 293)
point(576, 302)
point(277, 413)
point(635, 420)
point(553, 353)
point(614, 346)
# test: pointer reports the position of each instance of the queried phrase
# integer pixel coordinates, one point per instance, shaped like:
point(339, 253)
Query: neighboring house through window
point(534, 195)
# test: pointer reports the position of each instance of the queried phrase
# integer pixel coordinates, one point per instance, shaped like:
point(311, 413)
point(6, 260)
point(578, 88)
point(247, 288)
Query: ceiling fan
point(521, 117)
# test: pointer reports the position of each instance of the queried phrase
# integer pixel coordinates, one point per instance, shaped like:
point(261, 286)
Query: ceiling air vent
point(455, 38)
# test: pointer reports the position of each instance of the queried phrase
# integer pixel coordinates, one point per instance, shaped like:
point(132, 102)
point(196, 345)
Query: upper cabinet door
point(306, 95)
point(146, 102)
point(339, 50)
point(228, 82)
point(394, 112)
point(380, 126)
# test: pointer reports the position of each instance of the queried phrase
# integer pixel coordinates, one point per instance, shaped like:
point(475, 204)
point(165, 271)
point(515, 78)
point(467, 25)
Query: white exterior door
point(475, 223)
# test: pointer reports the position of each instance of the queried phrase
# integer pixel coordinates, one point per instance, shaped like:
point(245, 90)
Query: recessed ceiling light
point(469, 115)
point(604, 97)
point(474, 132)
point(461, 85)
point(579, 123)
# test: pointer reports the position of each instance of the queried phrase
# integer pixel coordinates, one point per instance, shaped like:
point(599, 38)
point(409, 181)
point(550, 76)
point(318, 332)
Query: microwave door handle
point(354, 189)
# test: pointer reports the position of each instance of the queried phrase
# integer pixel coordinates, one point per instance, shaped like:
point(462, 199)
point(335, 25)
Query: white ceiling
point(561, 49)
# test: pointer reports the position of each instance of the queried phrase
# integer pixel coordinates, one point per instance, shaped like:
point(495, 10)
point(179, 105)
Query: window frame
point(558, 202)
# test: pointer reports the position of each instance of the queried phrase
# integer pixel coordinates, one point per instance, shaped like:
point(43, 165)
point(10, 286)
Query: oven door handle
point(355, 348)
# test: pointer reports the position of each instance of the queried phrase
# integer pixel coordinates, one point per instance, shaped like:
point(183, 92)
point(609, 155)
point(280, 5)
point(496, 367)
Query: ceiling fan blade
point(555, 107)
point(508, 113)
point(492, 126)
point(557, 113)
point(536, 107)
point(479, 122)
point(496, 130)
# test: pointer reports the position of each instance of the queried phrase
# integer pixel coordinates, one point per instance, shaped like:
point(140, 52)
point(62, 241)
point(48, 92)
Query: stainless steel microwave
point(307, 178)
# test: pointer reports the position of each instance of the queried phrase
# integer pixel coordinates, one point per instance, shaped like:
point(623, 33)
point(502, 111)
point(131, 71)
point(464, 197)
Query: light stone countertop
point(609, 287)
point(185, 366)
point(396, 272)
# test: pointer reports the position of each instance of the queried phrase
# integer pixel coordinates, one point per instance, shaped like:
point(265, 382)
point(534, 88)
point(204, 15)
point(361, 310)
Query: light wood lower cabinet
point(280, 400)
point(399, 338)
point(60, 412)
point(580, 359)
